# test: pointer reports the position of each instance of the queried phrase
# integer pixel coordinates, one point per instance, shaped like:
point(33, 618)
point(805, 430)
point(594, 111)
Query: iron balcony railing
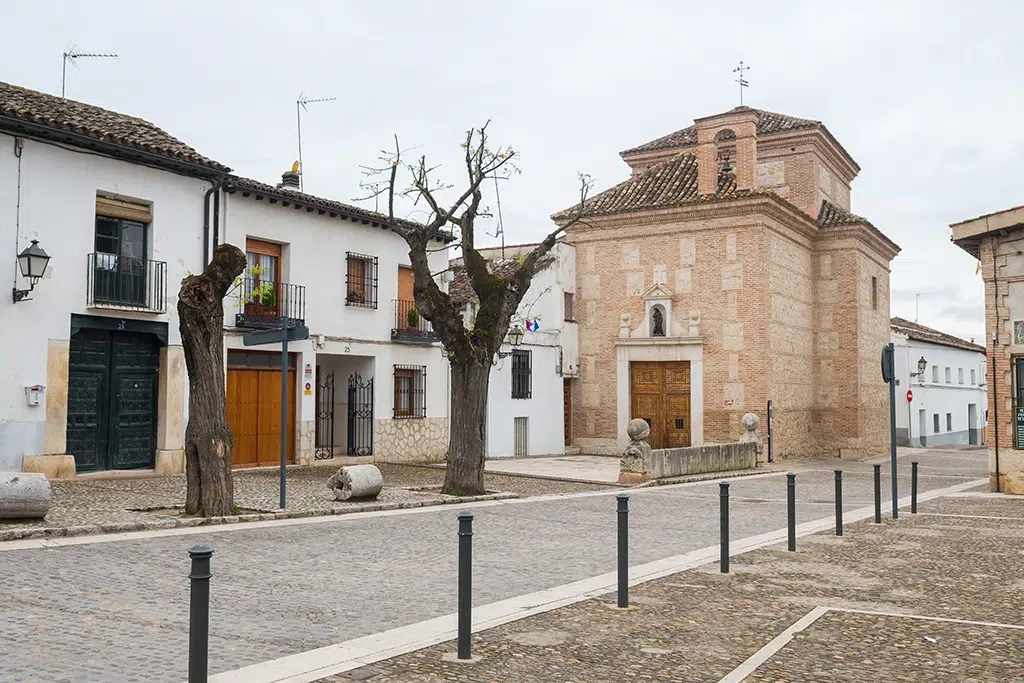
point(409, 324)
point(262, 305)
point(126, 282)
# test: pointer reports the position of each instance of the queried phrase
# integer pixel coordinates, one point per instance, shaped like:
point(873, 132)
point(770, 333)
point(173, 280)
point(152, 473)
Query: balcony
point(261, 306)
point(409, 325)
point(126, 283)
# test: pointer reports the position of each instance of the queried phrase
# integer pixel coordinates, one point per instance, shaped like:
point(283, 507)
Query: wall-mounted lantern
point(515, 338)
point(922, 365)
point(32, 261)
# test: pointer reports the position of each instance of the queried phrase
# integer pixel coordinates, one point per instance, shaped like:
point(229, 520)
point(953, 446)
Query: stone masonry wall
point(410, 440)
point(716, 267)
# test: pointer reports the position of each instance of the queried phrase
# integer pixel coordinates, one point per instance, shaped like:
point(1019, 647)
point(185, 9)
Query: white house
point(529, 400)
point(941, 394)
point(93, 375)
point(372, 379)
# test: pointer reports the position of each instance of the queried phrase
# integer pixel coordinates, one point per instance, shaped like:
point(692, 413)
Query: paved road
point(118, 611)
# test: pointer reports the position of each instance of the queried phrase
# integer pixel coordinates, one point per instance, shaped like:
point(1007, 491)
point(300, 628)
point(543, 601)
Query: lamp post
point(32, 262)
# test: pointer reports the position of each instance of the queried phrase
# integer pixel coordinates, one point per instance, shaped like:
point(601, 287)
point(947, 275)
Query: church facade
point(728, 271)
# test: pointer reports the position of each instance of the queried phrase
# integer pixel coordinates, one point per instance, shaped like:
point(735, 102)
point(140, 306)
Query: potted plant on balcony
point(413, 319)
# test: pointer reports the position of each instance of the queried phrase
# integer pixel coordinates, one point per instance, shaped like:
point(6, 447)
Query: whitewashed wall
point(938, 397)
point(58, 207)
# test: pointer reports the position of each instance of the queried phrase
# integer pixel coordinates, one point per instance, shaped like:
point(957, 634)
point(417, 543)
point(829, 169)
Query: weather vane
point(741, 80)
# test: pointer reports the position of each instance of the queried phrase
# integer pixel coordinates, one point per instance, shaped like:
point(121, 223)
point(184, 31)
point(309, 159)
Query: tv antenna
point(70, 55)
point(744, 83)
point(300, 106)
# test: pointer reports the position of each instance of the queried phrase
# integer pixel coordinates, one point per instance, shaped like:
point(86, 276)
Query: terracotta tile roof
point(335, 208)
point(63, 115)
point(926, 334)
point(831, 215)
point(461, 289)
point(768, 122)
point(670, 183)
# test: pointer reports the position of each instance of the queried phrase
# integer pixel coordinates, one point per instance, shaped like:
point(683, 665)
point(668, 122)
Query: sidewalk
point(94, 506)
point(863, 607)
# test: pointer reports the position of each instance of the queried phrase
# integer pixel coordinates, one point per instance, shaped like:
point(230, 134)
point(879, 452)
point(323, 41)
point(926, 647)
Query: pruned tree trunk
point(467, 436)
point(208, 439)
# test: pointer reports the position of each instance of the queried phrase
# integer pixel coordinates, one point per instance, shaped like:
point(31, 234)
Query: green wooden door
point(112, 399)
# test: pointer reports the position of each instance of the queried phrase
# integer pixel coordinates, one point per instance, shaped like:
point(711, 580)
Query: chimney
point(735, 127)
point(289, 180)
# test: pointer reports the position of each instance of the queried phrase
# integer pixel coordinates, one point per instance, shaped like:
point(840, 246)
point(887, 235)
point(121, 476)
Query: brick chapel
point(728, 271)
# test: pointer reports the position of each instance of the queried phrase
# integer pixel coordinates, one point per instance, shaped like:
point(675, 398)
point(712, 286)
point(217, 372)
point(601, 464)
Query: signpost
point(889, 375)
point(910, 395)
point(289, 331)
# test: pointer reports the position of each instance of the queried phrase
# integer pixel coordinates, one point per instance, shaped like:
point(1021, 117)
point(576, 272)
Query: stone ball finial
point(638, 429)
point(751, 422)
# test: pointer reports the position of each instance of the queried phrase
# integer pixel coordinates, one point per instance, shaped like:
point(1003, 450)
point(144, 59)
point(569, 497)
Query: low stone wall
point(676, 462)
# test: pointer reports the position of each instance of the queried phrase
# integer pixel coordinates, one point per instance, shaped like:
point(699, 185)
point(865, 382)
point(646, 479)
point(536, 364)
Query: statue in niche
point(658, 320)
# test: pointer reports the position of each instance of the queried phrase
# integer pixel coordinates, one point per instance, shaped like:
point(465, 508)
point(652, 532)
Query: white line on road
point(309, 666)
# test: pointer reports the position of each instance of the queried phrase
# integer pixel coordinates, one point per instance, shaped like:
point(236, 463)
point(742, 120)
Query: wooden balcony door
point(660, 394)
point(406, 282)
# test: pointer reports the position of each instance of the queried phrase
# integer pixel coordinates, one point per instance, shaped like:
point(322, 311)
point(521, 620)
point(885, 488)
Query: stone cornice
point(659, 341)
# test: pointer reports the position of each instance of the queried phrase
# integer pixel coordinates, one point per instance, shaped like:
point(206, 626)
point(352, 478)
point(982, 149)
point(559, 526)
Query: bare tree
point(470, 347)
point(208, 439)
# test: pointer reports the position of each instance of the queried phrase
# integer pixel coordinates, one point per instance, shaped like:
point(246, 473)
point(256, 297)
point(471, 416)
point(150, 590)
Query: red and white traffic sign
point(910, 395)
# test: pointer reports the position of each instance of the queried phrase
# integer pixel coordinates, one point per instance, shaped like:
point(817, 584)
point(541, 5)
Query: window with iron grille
point(522, 374)
point(410, 391)
point(360, 280)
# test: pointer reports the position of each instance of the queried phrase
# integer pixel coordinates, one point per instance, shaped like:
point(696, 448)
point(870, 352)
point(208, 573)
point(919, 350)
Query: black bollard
point(465, 583)
point(723, 497)
point(623, 510)
point(791, 508)
point(839, 502)
point(199, 614)
point(878, 494)
point(913, 488)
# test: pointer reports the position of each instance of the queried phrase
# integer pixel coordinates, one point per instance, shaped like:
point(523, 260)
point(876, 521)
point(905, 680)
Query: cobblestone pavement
point(952, 561)
point(87, 505)
point(117, 611)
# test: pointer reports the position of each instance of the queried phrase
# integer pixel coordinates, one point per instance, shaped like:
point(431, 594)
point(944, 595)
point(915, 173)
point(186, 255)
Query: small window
point(935, 422)
point(949, 376)
point(361, 280)
point(410, 391)
point(935, 374)
point(949, 422)
point(570, 315)
point(522, 374)
point(960, 375)
point(874, 293)
point(974, 376)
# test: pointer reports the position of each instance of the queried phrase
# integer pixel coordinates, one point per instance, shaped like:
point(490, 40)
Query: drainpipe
point(995, 339)
point(216, 216)
point(217, 183)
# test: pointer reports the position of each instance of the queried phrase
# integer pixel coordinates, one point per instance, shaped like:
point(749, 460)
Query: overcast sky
point(926, 96)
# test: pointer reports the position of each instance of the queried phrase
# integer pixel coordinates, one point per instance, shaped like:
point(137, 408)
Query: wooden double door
point(112, 399)
point(254, 408)
point(660, 394)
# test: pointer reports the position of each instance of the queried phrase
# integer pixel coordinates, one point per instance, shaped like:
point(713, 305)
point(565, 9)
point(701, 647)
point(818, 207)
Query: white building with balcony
point(529, 399)
point(941, 392)
point(372, 380)
point(92, 375)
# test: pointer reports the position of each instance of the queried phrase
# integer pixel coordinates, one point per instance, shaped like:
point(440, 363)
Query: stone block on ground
point(24, 495)
point(356, 482)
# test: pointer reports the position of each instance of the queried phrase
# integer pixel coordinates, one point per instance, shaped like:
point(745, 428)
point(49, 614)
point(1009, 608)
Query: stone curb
point(703, 477)
point(159, 524)
point(544, 477)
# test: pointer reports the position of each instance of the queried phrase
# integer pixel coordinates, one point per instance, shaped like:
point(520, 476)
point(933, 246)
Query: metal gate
point(360, 415)
point(521, 445)
point(324, 449)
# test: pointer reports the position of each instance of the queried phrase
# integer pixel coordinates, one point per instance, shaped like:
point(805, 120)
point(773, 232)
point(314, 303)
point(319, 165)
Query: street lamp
point(922, 365)
point(515, 338)
point(32, 261)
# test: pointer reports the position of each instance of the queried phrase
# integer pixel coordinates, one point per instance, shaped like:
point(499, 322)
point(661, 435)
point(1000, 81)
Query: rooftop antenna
point(501, 224)
point(70, 55)
point(741, 69)
point(300, 106)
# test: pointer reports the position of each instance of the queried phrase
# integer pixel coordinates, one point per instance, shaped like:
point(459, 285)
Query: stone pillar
point(707, 167)
point(750, 424)
point(170, 429)
point(634, 467)
point(55, 462)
